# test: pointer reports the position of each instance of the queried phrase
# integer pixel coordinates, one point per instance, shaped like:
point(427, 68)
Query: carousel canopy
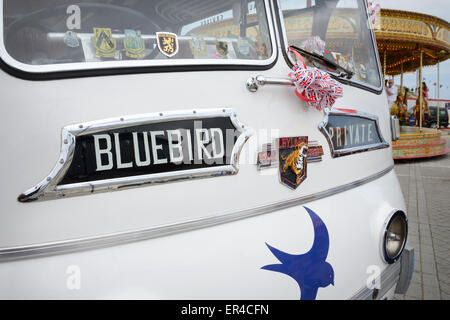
point(402, 35)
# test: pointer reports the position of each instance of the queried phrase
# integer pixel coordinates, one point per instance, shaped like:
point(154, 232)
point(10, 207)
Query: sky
point(440, 9)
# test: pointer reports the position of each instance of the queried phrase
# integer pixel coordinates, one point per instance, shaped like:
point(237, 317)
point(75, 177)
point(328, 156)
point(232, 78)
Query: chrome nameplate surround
point(340, 144)
point(56, 185)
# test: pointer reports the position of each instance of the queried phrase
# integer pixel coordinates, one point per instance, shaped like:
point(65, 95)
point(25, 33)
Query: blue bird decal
point(310, 270)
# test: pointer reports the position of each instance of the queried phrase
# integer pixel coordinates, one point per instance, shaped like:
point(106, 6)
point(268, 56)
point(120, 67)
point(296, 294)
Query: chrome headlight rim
point(392, 217)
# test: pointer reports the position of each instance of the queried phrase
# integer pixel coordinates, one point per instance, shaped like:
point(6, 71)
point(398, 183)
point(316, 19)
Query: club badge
point(104, 43)
point(267, 157)
point(222, 47)
point(167, 43)
point(329, 56)
point(243, 46)
point(71, 39)
point(342, 61)
point(351, 64)
point(293, 153)
point(315, 152)
point(362, 72)
point(134, 44)
point(261, 49)
point(198, 46)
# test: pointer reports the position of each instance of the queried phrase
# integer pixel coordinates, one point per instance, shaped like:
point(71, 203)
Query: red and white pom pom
point(314, 86)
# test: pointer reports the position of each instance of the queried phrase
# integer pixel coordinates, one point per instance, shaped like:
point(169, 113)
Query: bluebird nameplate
point(141, 150)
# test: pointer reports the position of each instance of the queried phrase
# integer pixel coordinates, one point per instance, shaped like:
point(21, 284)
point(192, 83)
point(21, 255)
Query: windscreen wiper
point(347, 73)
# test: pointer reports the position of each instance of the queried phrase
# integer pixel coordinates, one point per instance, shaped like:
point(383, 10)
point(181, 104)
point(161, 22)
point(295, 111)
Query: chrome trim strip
point(389, 278)
point(78, 66)
point(343, 152)
point(59, 247)
point(49, 189)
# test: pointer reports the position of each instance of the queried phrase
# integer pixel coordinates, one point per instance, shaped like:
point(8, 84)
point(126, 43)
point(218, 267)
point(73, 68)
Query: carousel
point(407, 42)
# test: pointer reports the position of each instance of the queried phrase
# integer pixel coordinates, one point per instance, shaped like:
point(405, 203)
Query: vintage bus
point(158, 150)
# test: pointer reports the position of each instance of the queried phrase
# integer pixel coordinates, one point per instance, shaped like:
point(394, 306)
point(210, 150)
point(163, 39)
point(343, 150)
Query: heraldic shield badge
point(134, 44)
point(167, 43)
point(104, 43)
point(293, 153)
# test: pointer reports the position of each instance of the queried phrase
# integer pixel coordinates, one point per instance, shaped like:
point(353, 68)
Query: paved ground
point(426, 189)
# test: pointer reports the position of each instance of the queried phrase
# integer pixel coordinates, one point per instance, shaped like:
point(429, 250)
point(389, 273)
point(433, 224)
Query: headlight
point(394, 237)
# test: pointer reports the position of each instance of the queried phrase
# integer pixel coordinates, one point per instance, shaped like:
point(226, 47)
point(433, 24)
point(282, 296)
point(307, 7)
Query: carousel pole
point(438, 103)
point(384, 67)
point(401, 80)
point(420, 91)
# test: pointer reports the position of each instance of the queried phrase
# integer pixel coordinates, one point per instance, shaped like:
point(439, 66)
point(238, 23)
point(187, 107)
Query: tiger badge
point(293, 154)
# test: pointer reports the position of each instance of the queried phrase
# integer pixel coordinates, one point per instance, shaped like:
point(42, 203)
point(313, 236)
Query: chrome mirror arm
point(257, 81)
